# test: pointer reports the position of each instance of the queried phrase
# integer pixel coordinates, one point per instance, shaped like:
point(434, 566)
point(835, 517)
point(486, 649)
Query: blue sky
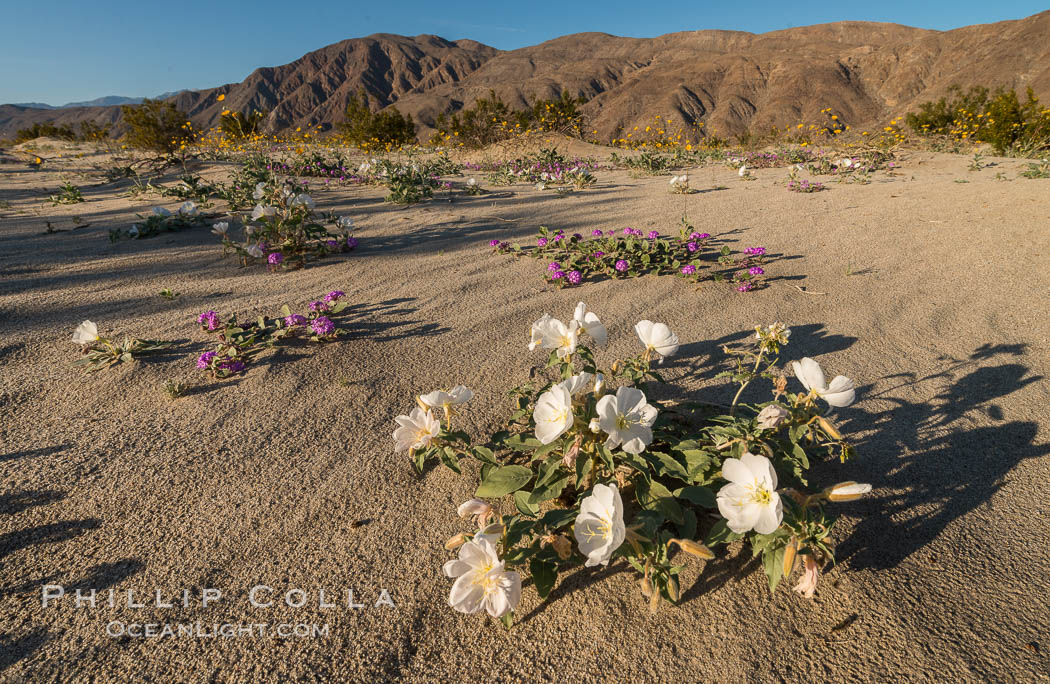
point(83, 50)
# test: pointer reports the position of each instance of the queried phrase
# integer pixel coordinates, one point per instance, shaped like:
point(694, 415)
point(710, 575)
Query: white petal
point(809, 374)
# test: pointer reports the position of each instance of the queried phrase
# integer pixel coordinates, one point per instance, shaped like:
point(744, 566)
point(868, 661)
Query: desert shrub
point(155, 125)
point(365, 128)
point(593, 469)
point(1001, 119)
point(46, 130)
point(238, 125)
point(491, 120)
point(67, 194)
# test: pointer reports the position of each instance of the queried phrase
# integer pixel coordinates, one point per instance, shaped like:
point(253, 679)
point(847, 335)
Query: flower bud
point(473, 507)
point(456, 542)
point(616, 367)
point(674, 589)
point(647, 587)
point(594, 426)
point(790, 555)
point(829, 428)
point(599, 383)
point(693, 548)
point(846, 491)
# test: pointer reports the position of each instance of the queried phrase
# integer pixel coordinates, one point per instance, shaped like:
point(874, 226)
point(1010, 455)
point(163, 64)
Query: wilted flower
point(839, 393)
point(482, 583)
point(807, 584)
point(85, 333)
point(627, 418)
point(481, 510)
point(254, 251)
point(599, 528)
point(772, 337)
point(260, 190)
point(772, 416)
point(553, 414)
point(417, 430)
point(750, 501)
point(657, 337)
point(344, 222)
point(188, 208)
point(220, 228)
point(322, 326)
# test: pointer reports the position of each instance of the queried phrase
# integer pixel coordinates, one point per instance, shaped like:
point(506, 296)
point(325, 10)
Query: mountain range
point(732, 81)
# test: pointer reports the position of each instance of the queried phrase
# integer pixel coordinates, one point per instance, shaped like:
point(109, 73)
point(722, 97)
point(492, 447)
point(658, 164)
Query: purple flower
point(205, 359)
point(575, 277)
point(557, 275)
point(334, 295)
point(701, 236)
point(494, 243)
point(755, 251)
point(745, 286)
point(692, 246)
point(694, 236)
point(756, 270)
point(323, 326)
point(231, 366)
point(294, 320)
point(351, 242)
point(688, 269)
point(542, 242)
point(332, 244)
point(318, 306)
point(596, 233)
point(599, 254)
point(621, 265)
point(209, 320)
point(275, 259)
point(653, 234)
point(577, 236)
point(627, 231)
point(553, 266)
point(557, 237)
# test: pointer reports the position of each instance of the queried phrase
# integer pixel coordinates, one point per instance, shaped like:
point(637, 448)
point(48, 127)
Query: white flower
point(550, 333)
point(674, 179)
point(482, 582)
point(260, 211)
point(744, 172)
point(417, 430)
point(845, 163)
point(344, 222)
point(772, 416)
point(750, 501)
point(363, 169)
point(472, 182)
point(541, 186)
point(839, 393)
point(188, 208)
point(553, 414)
point(847, 491)
point(439, 399)
point(304, 200)
point(254, 251)
point(657, 337)
point(627, 418)
point(577, 383)
point(220, 228)
point(599, 528)
point(161, 211)
point(133, 231)
point(260, 189)
point(588, 320)
point(86, 333)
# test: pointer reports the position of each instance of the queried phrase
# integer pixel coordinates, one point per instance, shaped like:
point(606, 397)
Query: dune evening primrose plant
point(239, 344)
point(593, 470)
point(99, 352)
point(630, 252)
point(162, 220)
point(284, 230)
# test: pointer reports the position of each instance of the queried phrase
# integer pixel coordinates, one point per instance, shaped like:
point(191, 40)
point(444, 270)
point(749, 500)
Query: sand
point(930, 293)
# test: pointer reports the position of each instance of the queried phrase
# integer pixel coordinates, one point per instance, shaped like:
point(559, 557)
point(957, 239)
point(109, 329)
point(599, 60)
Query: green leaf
point(687, 530)
point(449, 458)
point(544, 576)
point(522, 442)
point(521, 500)
point(502, 481)
point(548, 491)
point(667, 465)
point(558, 517)
point(720, 534)
point(656, 497)
point(516, 529)
point(699, 496)
point(484, 454)
point(773, 564)
point(285, 311)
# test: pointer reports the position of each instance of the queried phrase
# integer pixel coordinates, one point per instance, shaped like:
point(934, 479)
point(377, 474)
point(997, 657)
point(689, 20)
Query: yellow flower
point(220, 98)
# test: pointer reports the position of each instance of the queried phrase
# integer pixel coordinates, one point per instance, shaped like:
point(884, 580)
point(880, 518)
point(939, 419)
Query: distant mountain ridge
point(731, 81)
point(105, 101)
